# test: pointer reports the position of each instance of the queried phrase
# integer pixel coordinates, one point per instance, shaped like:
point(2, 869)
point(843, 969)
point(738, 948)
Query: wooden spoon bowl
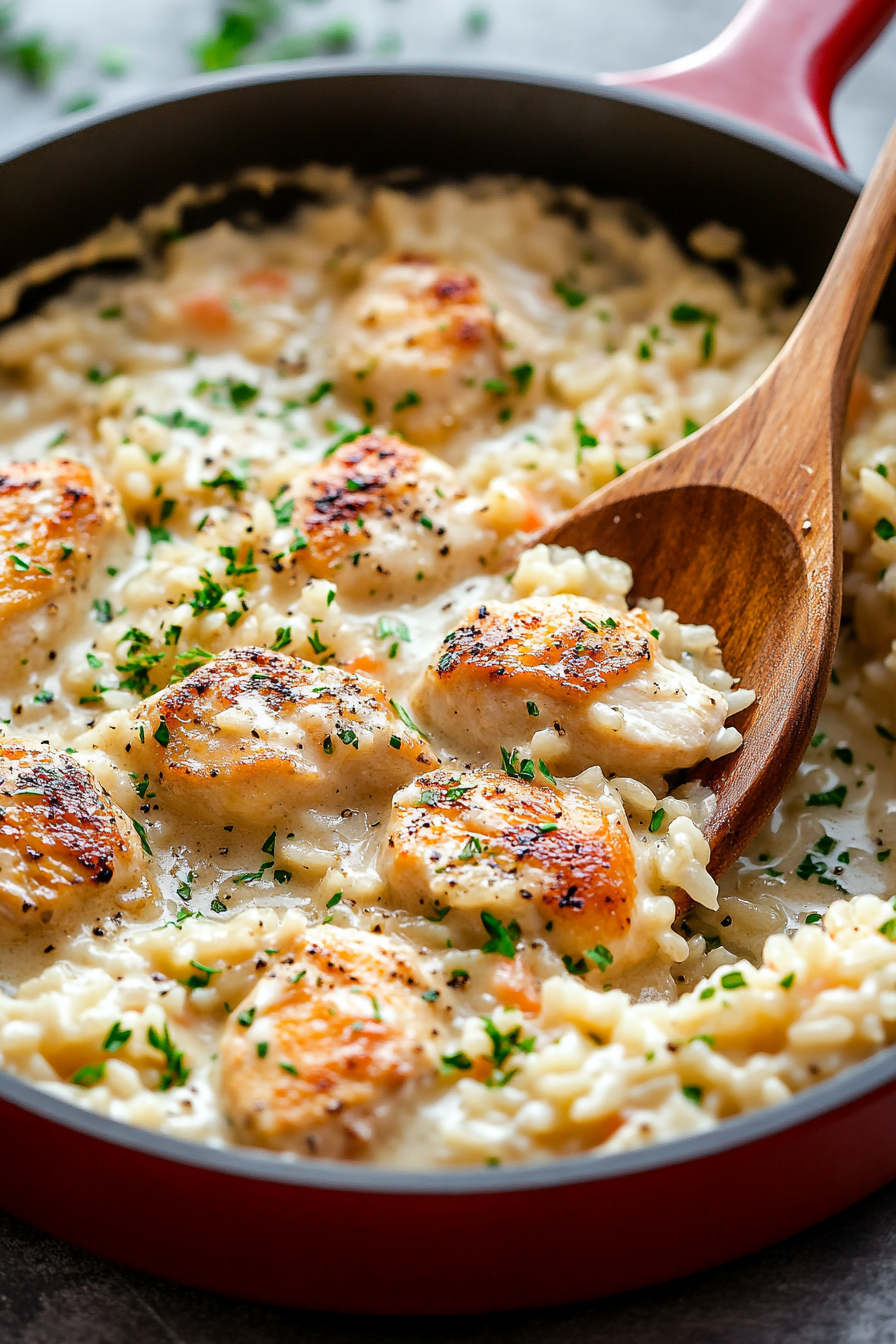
point(738, 526)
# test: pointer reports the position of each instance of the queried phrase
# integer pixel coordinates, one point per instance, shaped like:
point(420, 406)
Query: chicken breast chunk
point(386, 520)
point(418, 347)
point(255, 736)
point(319, 1057)
point(557, 861)
point(62, 838)
point(53, 516)
point(594, 678)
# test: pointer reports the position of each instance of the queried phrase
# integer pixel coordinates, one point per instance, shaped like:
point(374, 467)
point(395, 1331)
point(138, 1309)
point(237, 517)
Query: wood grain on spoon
point(738, 526)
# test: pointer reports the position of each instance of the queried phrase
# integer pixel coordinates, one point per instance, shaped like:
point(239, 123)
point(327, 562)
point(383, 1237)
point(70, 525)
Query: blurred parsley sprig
point(245, 35)
point(33, 56)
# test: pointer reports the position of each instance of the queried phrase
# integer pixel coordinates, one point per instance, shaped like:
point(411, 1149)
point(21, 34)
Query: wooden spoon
point(738, 525)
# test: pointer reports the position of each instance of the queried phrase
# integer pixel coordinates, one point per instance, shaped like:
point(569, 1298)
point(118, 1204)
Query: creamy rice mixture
point(331, 826)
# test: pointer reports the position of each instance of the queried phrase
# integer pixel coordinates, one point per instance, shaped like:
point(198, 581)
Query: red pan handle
point(776, 65)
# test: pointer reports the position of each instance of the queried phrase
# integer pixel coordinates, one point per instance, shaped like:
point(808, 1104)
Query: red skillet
point(354, 1238)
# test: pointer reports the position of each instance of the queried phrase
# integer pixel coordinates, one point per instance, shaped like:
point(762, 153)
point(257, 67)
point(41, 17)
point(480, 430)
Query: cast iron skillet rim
point(295, 71)
point(826, 1097)
point(318, 1173)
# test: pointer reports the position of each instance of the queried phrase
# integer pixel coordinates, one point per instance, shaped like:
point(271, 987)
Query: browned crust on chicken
point(59, 509)
point(377, 476)
point(570, 657)
point(576, 858)
point(349, 1024)
point(58, 828)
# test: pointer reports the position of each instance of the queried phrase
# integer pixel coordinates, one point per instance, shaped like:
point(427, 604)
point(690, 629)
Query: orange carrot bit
point(514, 985)
point(207, 312)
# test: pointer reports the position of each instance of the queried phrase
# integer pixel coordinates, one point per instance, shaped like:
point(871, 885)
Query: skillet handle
point(776, 65)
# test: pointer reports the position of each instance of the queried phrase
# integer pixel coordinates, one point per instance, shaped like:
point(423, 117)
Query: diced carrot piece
point(364, 664)
point(516, 987)
point(207, 312)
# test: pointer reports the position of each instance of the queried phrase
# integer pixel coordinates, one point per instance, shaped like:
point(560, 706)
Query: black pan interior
point(449, 123)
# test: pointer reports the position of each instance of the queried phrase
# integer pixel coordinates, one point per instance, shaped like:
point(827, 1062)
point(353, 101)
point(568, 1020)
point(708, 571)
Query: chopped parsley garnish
point(457, 1061)
point(532, 709)
point(233, 481)
point(496, 386)
point(289, 1068)
point(407, 720)
point(317, 644)
point(283, 511)
point(502, 940)
point(189, 661)
point(162, 734)
point(472, 847)
point(687, 313)
point(141, 831)
point(888, 930)
point(657, 820)
point(546, 772)
point(825, 845)
point(733, 980)
point(116, 1037)
point(690, 427)
point(334, 900)
point(429, 995)
point(693, 1093)
point(708, 992)
point(175, 1075)
point(282, 639)
point(829, 798)
point(388, 627)
point(241, 394)
point(813, 918)
point(410, 398)
point(599, 956)
point(253, 877)
point(177, 419)
point(504, 1044)
point(787, 981)
point(136, 670)
point(884, 529)
point(808, 866)
point(102, 610)
point(247, 1017)
point(89, 1075)
point(883, 855)
point(522, 375)
point(261, 1049)
point(318, 394)
point(818, 739)
point(43, 697)
point(573, 298)
point(843, 754)
point(517, 768)
point(348, 737)
point(438, 917)
point(229, 553)
point(207, 596)
point(203, 979)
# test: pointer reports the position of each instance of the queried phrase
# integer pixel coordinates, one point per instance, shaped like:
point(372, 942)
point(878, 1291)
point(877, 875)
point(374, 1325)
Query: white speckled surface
point(834, 1283)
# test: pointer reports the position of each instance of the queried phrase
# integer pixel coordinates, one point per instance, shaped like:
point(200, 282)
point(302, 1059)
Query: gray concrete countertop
point(834, 1283)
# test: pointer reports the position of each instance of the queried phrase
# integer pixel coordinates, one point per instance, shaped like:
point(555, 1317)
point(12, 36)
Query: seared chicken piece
point(594, 676)
point(318, 1057)
point(62, 838)
point(255, 736)
point(551, 860)
point(417, 347)
point(383, 519)
point(52, 519)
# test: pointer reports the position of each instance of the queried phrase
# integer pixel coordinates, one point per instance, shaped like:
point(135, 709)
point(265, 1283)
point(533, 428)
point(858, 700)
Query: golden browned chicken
point(418, 347)
point(255, 736)
point(319, 1056)
point(385, 520)
point(62, 838)
point(593, 678)
point(555, 861)
point(52, 519)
